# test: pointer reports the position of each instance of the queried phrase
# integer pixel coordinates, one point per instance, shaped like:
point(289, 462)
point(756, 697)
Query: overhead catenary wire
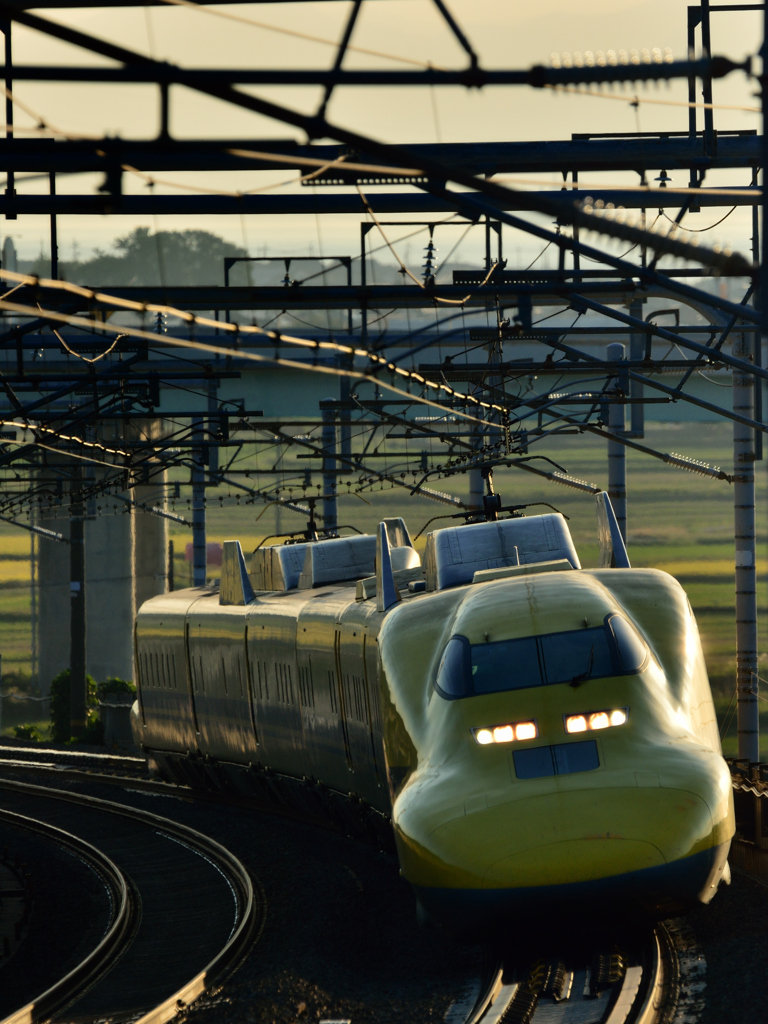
point(636, 100)
point(224, 327)
point(404, 268)
point(229, 15)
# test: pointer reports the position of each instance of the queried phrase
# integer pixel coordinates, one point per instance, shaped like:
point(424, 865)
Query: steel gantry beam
point(636, 153)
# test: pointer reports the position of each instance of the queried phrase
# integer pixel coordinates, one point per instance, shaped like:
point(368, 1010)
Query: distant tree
point(152, 260)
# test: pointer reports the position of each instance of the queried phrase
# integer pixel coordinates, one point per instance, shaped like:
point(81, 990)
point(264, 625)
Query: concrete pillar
point(150, 543)
point(109, 589)
point(53, 600)
point(617, 459)
point(744, 536)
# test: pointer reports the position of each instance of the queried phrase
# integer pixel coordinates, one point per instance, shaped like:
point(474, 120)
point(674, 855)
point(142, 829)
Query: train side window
point(632, 649)
point(577, 655)
point(453, 672)
point(505, 665)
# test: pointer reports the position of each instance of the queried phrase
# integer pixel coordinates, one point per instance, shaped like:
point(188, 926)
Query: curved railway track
point(599, 983)
point(637, 982)
point(163, 947)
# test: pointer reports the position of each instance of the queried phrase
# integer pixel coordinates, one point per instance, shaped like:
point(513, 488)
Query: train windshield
point(572, 657)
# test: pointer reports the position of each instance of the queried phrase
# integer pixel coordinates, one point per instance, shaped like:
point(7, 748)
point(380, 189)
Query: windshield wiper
point(583, 676)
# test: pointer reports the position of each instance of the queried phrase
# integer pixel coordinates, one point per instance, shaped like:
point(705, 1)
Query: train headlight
point(507, 733)
point(576, 723)
point(596, 720)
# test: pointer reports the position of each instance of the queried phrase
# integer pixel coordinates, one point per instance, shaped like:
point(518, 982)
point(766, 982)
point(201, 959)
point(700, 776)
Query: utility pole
point(199, 548)
point(77, 669)
point(54, 231)
point(10, 176)
point(330, 507)
point(745, 569)
point(636, 389)
point(617, 459)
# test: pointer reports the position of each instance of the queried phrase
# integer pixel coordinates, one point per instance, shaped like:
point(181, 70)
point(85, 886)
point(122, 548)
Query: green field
point(677, 521)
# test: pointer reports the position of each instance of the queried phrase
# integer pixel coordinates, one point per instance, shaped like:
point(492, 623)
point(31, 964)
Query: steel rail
point(122, 922)
point(646, 994)
point(249, 903)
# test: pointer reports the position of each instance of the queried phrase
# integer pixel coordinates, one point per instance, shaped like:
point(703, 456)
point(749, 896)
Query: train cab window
point(577, 656)
point(452, 681)
point(612, 649)
point(508, 665)
point(632, 650)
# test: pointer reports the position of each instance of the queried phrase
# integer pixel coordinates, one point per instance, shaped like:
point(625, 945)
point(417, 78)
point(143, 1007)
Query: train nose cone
point(653, 848)
point(573, 861)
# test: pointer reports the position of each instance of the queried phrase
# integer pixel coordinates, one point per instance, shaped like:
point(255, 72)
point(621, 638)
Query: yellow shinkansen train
point(530, 732)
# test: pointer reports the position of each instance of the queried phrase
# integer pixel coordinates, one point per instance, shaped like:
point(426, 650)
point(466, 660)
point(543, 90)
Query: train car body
point(530, 731)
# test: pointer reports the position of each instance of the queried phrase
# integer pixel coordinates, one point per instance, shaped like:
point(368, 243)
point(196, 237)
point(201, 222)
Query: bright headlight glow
point(576, 723)
point(507, 733)
point(526, 731)
point(596, 720)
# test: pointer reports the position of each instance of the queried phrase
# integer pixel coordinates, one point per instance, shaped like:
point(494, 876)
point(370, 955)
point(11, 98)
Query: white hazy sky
point(505, 33)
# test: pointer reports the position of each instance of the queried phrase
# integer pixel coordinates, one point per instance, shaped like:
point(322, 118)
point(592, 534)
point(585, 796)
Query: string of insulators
point(642, 65)
point(429, 268)
point(611, 58)
point(441, 496)
point(574, 482)
point(695, 466)
point(671, 241)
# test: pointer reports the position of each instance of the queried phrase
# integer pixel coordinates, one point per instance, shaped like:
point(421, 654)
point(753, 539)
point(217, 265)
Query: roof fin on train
point(613, 552)
point(387, 593)
point(397, 532)
point(235, 585)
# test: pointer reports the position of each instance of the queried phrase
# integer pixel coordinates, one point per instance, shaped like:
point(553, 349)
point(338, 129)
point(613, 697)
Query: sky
point(505, 33)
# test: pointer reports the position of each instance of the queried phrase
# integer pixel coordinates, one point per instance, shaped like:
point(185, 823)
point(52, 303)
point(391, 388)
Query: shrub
point(113, 686)
point(27, 732)
point(60, 720)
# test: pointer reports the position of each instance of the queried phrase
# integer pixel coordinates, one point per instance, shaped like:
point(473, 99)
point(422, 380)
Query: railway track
point(637, 981)
point(163, 947)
